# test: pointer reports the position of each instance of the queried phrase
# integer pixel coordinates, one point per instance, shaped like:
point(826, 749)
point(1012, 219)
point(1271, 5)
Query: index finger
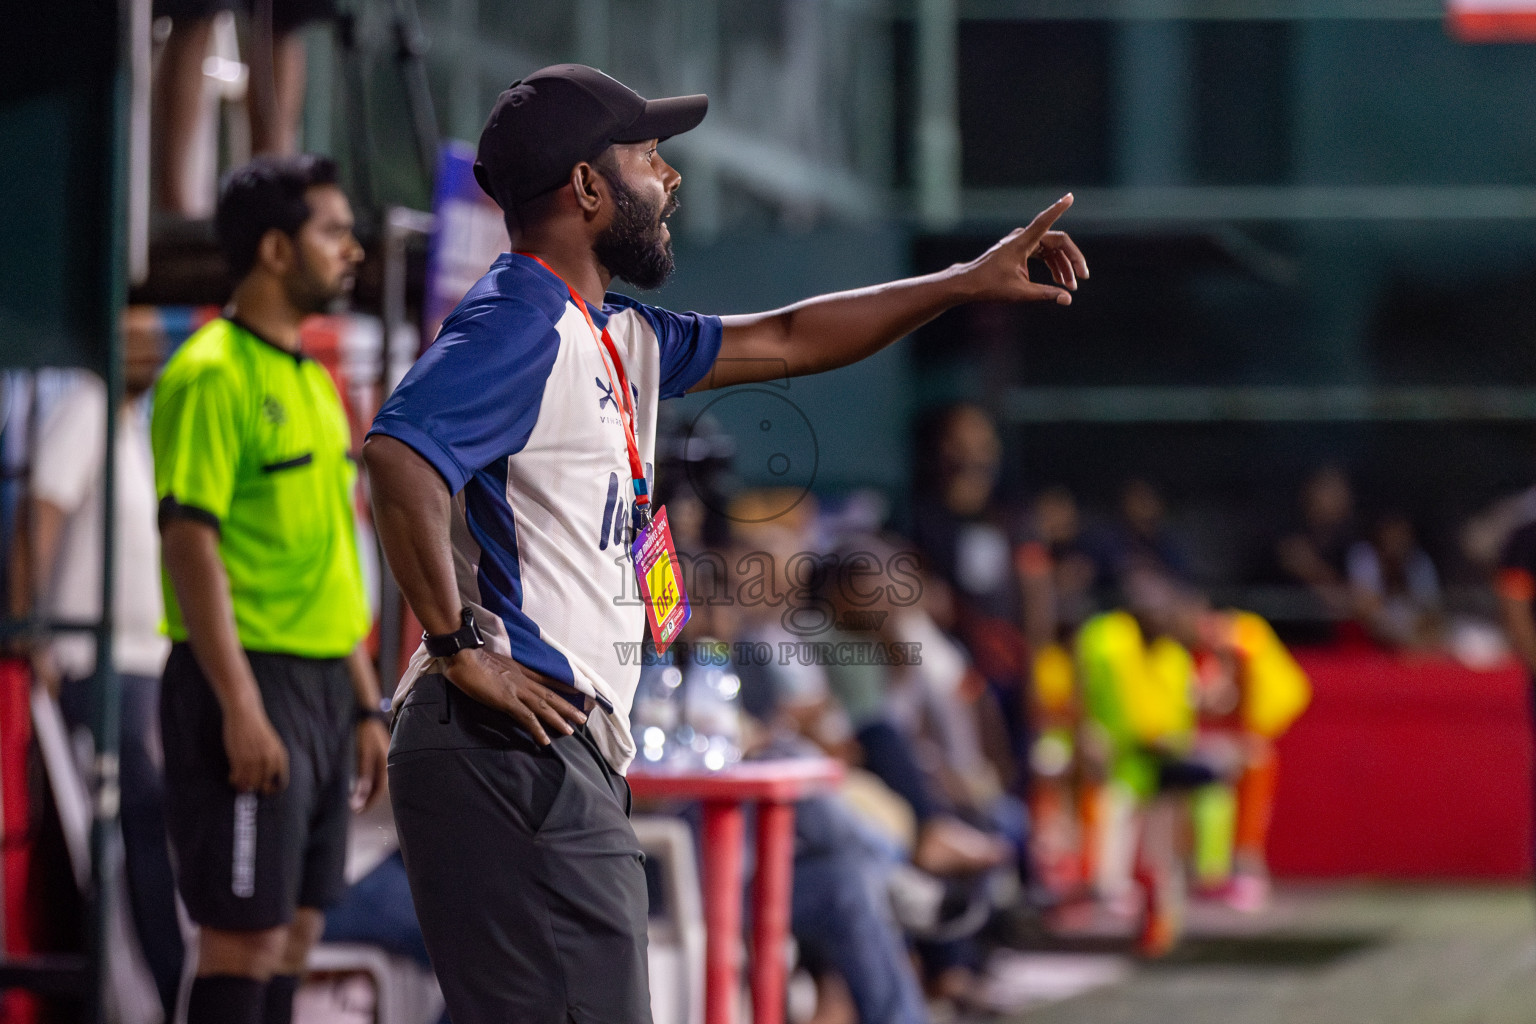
point(1044, 219)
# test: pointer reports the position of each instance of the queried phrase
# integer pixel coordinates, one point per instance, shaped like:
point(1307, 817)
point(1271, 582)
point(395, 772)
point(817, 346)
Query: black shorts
point(287, 15)
point(246, 862)
point(527, 878)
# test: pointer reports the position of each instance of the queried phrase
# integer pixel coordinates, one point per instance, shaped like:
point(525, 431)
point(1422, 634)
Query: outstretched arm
point(829, 331)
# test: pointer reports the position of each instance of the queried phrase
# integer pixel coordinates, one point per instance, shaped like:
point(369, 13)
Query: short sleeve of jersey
point(474, 396)
point(1517, 565)
point(195, 431)
point(689, 343)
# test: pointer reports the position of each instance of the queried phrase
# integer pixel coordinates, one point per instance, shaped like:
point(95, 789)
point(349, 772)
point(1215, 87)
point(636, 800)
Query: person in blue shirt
point(509, 472)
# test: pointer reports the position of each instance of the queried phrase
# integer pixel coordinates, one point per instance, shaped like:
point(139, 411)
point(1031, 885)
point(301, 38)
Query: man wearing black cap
point(509, 474)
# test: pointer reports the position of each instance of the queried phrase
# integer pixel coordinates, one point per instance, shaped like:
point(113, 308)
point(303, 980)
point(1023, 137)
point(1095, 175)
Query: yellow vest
point(1276, 691)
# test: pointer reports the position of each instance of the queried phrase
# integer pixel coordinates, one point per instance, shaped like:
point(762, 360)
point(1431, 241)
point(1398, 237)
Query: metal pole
point(106, 693)
point(355, 102)
point(938, 113)
point(409, 51)
point(140, 22)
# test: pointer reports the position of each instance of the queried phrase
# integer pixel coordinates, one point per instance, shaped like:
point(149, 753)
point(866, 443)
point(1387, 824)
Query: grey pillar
point(938, 113)
point(698, 70)
point(1152, 102)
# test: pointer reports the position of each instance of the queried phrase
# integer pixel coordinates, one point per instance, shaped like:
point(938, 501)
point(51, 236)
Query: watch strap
point(446, 645)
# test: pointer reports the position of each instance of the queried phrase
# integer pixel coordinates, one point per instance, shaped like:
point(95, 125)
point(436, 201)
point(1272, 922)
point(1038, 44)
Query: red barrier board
point(1492, 21)
point(1406, 767)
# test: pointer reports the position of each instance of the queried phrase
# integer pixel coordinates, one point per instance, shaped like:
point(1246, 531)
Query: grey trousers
point(526, 875)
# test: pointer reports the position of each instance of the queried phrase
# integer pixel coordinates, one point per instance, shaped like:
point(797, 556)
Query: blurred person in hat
point(510, 477)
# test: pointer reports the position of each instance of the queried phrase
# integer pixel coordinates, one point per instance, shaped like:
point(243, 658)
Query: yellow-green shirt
point(1139, 695)
point(253, 440)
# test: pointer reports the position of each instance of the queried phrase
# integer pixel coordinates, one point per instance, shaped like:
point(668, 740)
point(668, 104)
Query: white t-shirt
point(67, 471)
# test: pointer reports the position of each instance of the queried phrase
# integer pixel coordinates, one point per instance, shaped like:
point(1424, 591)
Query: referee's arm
point(258, 761)
point(829, 331)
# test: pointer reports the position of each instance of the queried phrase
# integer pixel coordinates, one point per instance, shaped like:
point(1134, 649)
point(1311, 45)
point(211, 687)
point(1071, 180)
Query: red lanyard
point(618, 380)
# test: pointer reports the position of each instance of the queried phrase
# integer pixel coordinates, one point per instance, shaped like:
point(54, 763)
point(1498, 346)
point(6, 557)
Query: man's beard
point(308, 293)
point(631, 248)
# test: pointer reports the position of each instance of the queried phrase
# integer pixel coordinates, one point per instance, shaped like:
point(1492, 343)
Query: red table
point(773, 786)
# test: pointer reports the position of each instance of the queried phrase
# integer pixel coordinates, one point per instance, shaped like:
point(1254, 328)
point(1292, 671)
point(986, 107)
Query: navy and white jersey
point(513, 406)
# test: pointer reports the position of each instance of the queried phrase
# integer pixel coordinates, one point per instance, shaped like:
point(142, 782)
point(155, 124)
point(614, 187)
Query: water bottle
point(657, 716)
point(710, 729)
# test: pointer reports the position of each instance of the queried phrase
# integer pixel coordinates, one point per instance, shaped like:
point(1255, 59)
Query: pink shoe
point(1248, 894)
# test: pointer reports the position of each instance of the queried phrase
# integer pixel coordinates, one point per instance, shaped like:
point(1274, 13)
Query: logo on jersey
point(605, 395)
point(616, 528)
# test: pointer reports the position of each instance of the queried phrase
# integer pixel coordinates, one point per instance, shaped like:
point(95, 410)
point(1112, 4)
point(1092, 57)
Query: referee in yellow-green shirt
point(268, 702)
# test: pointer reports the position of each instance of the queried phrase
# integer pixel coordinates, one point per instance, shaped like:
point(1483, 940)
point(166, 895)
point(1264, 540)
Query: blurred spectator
point(995, 575)
point(1139, 539)
point(1485, 534)
point(1249, 692)
point(917, 723)
point(1395, 587)
point(976, 545)
point(693, 479)
point(62, 546)
point(774, 566)
point(778, 602)
point(275, 95)
point(840, 914)
point(1059, 527)
point(1138, 693)
point(1317, 554)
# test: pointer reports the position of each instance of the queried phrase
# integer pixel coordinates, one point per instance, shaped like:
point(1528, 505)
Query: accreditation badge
point(661, 582)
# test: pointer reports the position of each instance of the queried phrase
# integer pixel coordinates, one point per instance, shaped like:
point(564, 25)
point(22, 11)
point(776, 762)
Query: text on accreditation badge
point(661, 587)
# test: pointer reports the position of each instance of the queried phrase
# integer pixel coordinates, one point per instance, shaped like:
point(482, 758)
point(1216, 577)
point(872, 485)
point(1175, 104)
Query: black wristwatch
point(446, 645)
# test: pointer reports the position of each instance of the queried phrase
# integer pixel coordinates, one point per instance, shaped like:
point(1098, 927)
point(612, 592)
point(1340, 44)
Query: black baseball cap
point(549, 122)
